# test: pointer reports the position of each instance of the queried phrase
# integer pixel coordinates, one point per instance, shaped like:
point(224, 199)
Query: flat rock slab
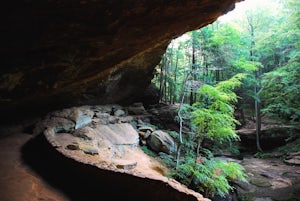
point(295, 160)
point(118, 134)
point(106, 141)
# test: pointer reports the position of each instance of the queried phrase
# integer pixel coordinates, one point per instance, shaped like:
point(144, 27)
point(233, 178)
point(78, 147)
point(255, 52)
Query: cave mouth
point(105, 54)
point(114, 65)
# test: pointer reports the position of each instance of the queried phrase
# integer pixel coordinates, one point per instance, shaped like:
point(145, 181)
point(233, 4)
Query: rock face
point(111, 143)
point(65, 53)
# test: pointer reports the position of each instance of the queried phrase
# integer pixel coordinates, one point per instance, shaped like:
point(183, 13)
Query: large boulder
point(160, 141)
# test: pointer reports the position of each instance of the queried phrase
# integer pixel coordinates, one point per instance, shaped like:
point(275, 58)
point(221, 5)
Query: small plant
point(209, 176)
point(167, 159)
point(291, 147)
point(245, 197)
point(263, 155)
point(148, 151)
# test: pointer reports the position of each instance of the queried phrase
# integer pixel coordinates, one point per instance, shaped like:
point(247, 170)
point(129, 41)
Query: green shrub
point(148, 151)
point(291, 147)
point(209, 176)
point(263, 155)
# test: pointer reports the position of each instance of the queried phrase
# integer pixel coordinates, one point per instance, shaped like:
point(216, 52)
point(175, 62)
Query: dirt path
point(18, 182)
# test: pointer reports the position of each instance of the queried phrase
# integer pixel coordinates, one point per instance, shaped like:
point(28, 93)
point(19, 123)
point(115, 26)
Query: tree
point(260, 22)
point(213, 118)
point(213, 114)
point(282, 86)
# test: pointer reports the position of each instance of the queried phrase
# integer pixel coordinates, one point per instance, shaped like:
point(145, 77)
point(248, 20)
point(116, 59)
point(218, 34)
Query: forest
point(247, 66)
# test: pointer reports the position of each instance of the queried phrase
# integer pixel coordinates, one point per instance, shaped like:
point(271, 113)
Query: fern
point(215, 119)
point(210, 176)
point(212, 116)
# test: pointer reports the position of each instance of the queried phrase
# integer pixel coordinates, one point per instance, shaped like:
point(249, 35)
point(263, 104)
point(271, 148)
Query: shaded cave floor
point(31, 170)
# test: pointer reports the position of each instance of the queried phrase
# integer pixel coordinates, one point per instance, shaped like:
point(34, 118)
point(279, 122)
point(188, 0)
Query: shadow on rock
point(82, 182)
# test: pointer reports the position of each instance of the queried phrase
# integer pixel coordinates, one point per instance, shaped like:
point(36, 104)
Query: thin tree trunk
point(198, 147)
point(257, 121)
point(256, 88)
point(175, 78)
point(161, 82)
point(165, 83)
point(180, 128)
point(169, 73)
point(193, 68)
point(217, 76)
point(243, 120)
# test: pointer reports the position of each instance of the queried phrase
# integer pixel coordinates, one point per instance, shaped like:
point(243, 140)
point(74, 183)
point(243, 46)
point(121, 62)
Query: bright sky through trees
point(239, 12)
point(242, 7)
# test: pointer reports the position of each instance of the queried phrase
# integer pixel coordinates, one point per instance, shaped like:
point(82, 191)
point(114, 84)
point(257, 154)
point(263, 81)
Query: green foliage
point(167, 159)
point(270, 58)
point(213, 116)
point(248, 196)
point(229, 146)
point(282, 92)
point(246, 65)
point(148, 151)
point(210, 176)
point(213, 119)
point(263, 155)
point(291, 147)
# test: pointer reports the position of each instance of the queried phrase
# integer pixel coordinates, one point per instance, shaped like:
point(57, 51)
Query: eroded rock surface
point(269, 180)
point(58, 54)
point(109, 140)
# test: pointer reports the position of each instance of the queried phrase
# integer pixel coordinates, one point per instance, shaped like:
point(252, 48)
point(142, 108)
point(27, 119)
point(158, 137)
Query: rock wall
point(62, 53)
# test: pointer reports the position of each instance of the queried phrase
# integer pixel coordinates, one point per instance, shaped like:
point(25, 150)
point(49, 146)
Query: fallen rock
point(160, 141)
point(126, 165)
point(293, 158)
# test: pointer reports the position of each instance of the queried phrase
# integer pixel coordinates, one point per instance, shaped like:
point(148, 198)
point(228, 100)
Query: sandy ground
point(18, 182)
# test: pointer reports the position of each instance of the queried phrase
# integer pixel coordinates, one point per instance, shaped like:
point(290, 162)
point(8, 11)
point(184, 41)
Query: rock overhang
point(64, 53)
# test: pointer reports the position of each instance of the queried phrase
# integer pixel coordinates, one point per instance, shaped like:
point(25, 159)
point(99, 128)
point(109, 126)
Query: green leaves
point(214, 116)
point(246, 65)
point(211, 175)
point(281, 92)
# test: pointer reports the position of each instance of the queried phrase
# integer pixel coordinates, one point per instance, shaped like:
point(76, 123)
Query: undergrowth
point(290, 147)
point(209, 176)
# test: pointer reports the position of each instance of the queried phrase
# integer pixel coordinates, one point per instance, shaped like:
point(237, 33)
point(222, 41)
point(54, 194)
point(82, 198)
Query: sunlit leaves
point(214, 119)
point(246, 65)
point(211, 175)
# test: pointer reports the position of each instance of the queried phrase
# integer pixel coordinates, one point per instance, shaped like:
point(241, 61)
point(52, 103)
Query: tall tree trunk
point(199, 146)
point(193, 69)
point(165, 83)
point(257, 120)
point(180, 125)
point(217, 75)
point(256, 89)
point(175, 78)
point(161, 81)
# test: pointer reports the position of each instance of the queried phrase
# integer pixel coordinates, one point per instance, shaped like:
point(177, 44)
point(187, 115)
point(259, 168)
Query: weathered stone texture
point(61, 53)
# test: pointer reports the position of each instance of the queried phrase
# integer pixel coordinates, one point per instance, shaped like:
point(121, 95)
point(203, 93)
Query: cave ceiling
point(58, 53)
